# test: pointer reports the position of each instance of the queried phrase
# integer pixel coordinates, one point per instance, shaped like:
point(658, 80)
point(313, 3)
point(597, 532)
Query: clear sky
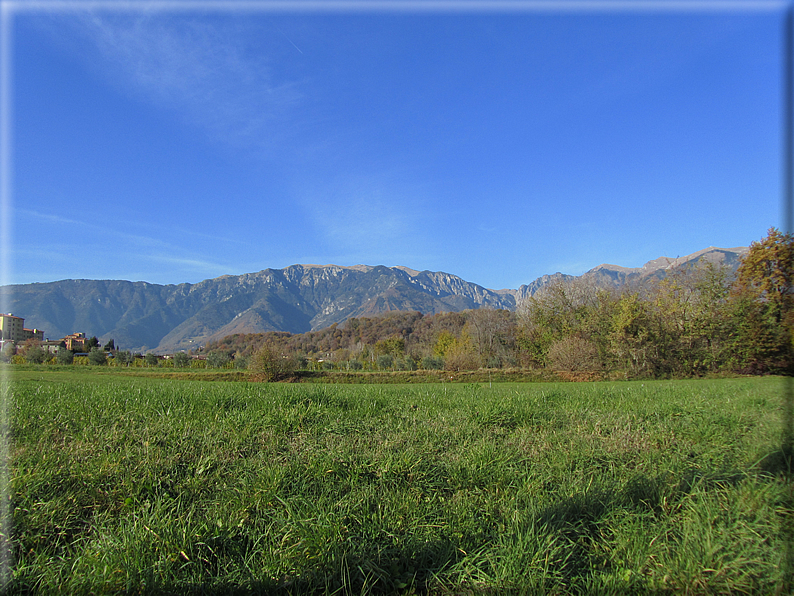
point(174, 146)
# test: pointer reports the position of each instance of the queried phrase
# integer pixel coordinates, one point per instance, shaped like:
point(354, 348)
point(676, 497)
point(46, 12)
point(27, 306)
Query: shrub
point(64, 356)
point(181, 360)
point(217, 359)
point(432, 363)
point(574, 354)
point(385, 361)
point(7, 353)
point(461, 357)
point(270, 365)
point(123, 358)
point(97, 356)
point(35, 355)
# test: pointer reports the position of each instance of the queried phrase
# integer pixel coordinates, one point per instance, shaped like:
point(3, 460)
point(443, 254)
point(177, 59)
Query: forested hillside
point(699, 318)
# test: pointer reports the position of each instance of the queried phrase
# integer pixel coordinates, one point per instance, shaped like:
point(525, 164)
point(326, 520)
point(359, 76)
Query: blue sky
point(175, 146)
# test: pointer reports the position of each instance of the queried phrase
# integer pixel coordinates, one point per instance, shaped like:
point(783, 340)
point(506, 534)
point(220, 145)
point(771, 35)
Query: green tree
point(393, 346)
point(631, 337)
point(217, 359)
point(97, 356)
point(461, 355)
point(385, 361)
point(151, 359)
point(181, 360)
point(124, 357)
point(432, 363)
point(561, 310)
point(444, 342)
point(35, 354)
point(64, 356)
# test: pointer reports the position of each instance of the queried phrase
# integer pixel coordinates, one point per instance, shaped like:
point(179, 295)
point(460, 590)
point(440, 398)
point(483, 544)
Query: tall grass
point(144, 486)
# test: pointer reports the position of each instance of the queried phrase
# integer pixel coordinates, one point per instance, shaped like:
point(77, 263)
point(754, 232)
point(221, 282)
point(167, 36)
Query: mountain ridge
point(143, 316)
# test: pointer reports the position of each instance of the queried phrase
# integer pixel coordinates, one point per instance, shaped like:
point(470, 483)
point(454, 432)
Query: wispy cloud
point(57, 219)
point(107, 227)
point(217, 74)
point(70, 254)
point(363, 214)
point(204, 267)
point(102, 229)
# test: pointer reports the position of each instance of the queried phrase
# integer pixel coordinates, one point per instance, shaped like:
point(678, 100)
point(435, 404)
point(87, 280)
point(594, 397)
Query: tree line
point(700, 319)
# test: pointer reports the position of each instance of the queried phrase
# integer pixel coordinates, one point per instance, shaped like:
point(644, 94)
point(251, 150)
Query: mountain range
point(140, 316)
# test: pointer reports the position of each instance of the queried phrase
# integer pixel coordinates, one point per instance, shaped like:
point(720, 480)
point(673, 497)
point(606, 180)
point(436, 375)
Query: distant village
point(14, 332)
point(18, 345)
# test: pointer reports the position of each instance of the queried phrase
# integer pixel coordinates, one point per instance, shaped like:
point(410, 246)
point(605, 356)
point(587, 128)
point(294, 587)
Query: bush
point(217, 359)
point(64, 356)
point(432, 363)
point(574, 354)
point(385, 361)
point(181, 360)
point(406, 363)
point(7, 353)
point(461, 357)
point(123, 358)
point(35, 355)
point(355, 365)
point(151, 359)
point(270, 365)
point(97, 356)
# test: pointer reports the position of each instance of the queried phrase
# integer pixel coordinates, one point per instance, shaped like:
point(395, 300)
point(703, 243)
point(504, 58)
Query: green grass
point(151, 486)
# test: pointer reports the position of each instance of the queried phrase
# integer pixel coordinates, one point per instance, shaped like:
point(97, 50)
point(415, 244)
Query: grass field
point(152, 486)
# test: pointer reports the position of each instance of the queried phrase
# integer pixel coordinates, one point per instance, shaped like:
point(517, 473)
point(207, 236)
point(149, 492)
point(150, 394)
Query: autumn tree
point(461, 355)
point(563, 309)
point(762, 300)
point(492, 334)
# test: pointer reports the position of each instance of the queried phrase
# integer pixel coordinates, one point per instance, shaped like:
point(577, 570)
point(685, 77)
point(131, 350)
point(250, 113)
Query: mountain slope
point(300, 298)
point(142, 316)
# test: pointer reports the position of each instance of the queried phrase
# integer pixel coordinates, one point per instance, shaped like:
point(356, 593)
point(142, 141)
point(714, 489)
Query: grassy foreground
point(148, 486)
